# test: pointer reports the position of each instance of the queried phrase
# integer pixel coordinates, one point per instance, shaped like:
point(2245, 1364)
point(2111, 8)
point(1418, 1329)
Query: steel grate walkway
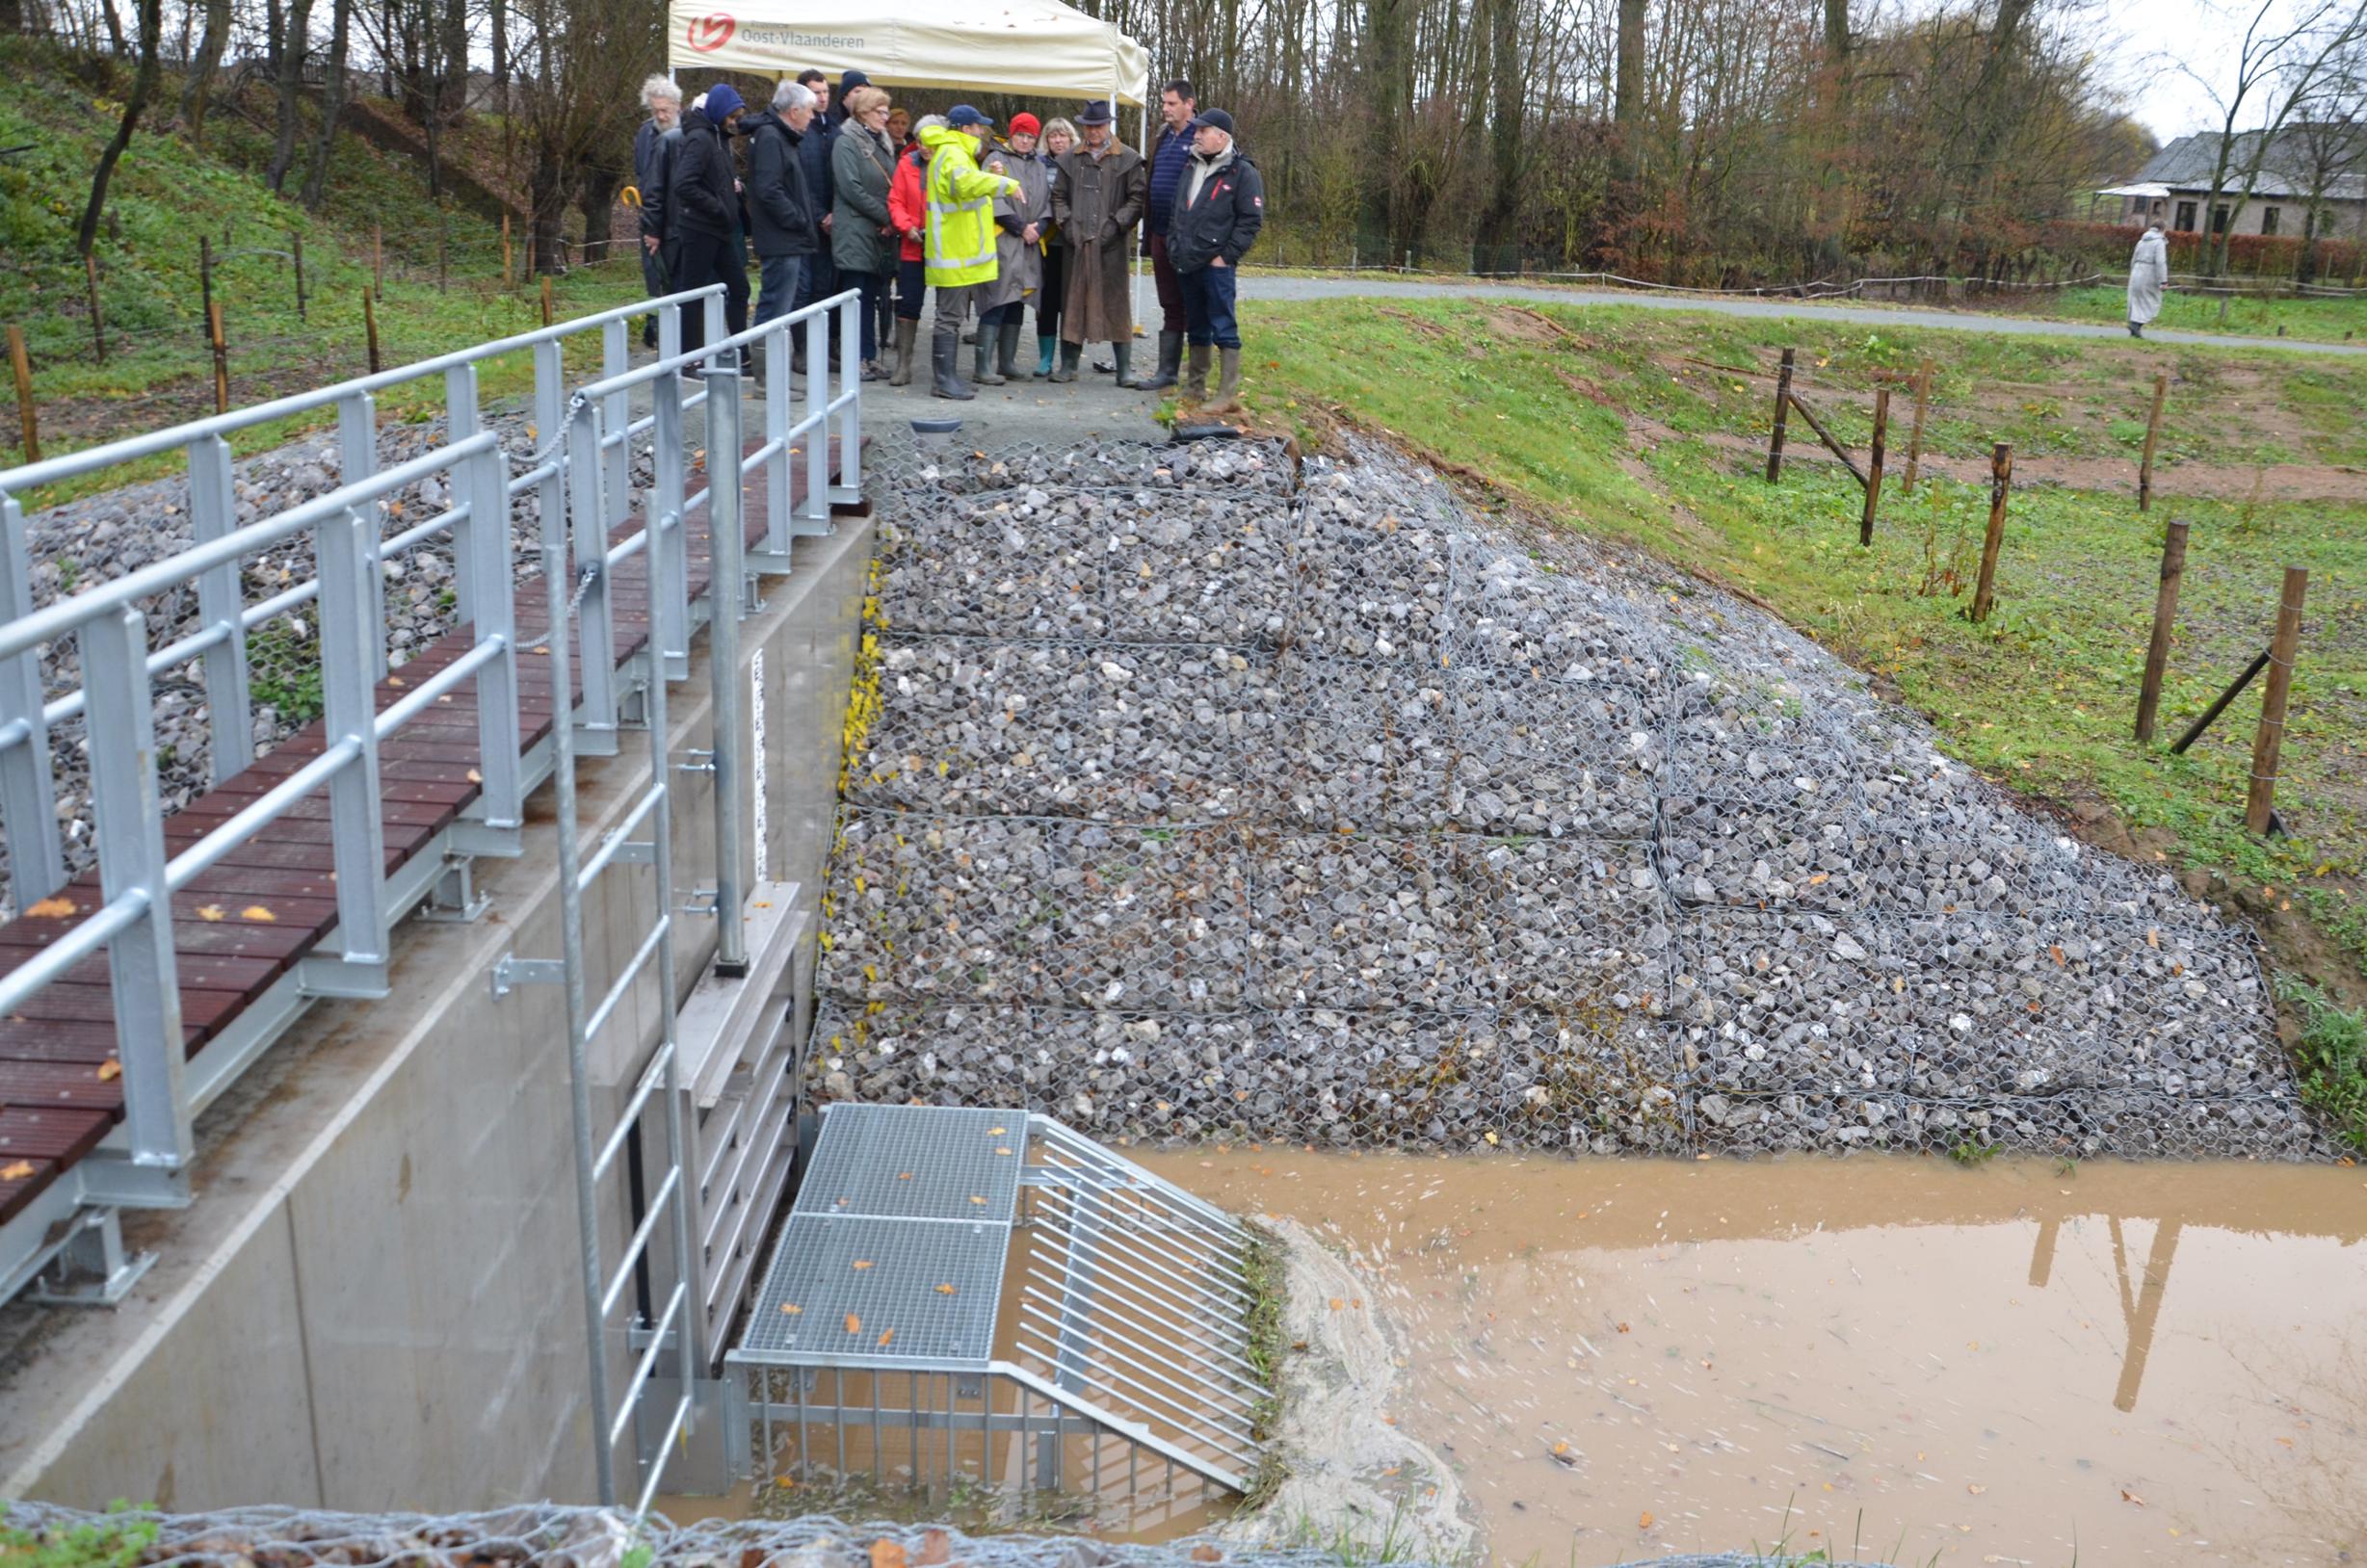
point(985, 1295)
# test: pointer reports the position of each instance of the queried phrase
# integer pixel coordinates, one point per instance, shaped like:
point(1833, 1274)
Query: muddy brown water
point(1892, 1358)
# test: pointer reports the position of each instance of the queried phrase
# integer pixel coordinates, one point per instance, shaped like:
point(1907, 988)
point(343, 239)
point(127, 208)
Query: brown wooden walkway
point(245, 922)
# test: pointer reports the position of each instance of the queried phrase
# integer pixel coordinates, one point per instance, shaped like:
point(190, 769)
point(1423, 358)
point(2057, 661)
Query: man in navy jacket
point(1220, 206)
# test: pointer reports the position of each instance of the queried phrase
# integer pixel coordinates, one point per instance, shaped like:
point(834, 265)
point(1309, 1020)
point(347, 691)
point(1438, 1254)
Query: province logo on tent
point(711, 32)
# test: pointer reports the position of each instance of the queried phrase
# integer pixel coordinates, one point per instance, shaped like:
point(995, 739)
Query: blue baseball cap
point(962, 113)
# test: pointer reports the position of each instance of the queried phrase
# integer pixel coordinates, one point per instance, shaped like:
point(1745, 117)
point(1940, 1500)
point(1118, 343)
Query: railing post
point(617, 419)
point(357, 459)
point(670, 620)
point(711, 312)
point(460, 424)
point(213, 513)
point(28, 793)
point(849, 486)
point(551, 490)
point(814, 511)
point(122, 724)
point(726, 591)
point(486, 557)
point(779, 413)
point(597, 638)
point(350, 703)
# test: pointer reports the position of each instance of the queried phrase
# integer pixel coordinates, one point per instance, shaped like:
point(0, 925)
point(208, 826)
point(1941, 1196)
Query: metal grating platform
point(990, 1286)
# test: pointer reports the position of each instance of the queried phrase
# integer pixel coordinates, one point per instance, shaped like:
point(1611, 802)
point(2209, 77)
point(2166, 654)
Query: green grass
point(1607, 428)
point(164, 194)
point(2310, 319)
point(107, 1542)
point(2331, 1059)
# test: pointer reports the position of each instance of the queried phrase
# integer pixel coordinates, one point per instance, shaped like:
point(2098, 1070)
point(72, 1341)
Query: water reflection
point(1895, 1358)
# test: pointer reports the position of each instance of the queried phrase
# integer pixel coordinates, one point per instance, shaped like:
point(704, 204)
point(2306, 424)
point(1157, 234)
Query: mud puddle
point(1896, 1359)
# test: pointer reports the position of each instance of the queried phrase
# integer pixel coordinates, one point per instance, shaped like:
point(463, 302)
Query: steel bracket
point(510, 970)
point(346, 978)
point(90, 1267)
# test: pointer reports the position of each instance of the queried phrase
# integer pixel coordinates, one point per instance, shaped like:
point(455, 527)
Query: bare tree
point(332, 101)
point(144, 88)
point(2279, 60)
point(198, 91)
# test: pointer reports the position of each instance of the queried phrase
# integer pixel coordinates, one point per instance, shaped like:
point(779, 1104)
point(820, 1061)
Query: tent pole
point(1143, 147)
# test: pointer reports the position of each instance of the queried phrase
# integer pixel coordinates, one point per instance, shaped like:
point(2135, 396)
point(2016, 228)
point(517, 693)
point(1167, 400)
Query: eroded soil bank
point(2022, 1363)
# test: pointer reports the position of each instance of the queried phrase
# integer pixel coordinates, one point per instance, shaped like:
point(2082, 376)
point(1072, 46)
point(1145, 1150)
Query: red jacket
point(907, 200)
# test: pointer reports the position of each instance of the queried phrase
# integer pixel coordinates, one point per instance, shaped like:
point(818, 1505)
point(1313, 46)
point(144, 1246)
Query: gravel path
point(1204, 802)
point(1256, 285)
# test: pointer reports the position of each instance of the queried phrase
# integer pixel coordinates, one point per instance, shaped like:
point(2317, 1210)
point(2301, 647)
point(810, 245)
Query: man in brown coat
point(1097, 193)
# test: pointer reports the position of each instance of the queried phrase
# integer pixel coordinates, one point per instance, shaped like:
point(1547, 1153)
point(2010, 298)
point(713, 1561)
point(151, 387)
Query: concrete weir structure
point(368, 1278)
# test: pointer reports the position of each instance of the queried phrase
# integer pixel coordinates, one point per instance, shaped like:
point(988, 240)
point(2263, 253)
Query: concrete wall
point(2342, 219)
point(375, 1300)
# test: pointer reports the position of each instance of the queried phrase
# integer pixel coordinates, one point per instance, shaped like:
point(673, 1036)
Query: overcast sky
point(2144, 43)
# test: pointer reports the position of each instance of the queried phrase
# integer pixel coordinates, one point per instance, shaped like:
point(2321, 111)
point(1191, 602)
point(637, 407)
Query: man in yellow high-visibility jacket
point(959, 242)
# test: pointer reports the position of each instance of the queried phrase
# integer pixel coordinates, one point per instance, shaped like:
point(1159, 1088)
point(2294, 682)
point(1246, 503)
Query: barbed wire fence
point(1201, 806)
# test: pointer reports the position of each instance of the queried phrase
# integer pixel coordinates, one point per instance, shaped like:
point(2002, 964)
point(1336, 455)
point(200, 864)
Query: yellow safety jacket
point(960, 242)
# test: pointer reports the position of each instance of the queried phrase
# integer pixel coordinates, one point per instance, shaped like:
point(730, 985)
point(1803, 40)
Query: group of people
point(841, 190)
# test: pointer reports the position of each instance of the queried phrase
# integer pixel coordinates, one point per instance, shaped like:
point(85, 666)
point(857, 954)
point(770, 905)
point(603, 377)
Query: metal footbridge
point(986, 1296)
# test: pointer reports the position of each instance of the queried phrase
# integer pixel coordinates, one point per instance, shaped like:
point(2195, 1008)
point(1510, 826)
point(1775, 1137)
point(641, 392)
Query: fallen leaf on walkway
point(1643, 1521)
point(2131, 1497)
point(862, 1264)
point(886, 1337)
point(51, 908)
point(16, 1170)
point(110, 1070)
point(945, 1290)
point(256, 911)
point(791, 1309)
point(855, 1324)
point(211, 911)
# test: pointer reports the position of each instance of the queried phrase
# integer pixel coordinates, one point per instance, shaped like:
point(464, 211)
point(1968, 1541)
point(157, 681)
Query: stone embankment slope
point(1207, 796)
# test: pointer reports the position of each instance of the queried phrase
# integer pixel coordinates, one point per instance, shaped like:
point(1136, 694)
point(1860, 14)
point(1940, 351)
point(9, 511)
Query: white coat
point(2149, 272)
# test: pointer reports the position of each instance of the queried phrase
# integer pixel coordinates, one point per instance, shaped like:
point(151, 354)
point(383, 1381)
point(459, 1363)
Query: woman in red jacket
point(907, 208)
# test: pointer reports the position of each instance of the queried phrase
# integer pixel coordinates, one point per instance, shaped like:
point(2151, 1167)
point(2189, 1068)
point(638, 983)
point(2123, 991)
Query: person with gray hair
point(782, 220)
point(652, 154)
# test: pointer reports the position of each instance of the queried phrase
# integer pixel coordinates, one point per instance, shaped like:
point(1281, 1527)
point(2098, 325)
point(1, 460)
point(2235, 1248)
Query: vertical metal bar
point(357, 459)
point(583, 460)
point(350, 703)
point(726, 576)
point(711, 312)
point(779, 406)
point(814, 511)
point(805, 1468)
point(213, 513)
point(501, 800)
point(582, 522)
point(141, 974)
point(460, 422)
point(28, 793)
point(851, 413)
point(616, 359)
point(669, 630)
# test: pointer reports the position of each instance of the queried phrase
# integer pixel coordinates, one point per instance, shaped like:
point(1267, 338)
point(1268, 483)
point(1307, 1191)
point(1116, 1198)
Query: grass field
point(1615, 423)
point(2311, 319)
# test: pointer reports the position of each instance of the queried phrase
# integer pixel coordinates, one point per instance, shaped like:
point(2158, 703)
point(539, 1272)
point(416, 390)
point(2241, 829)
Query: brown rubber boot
point(1194, 389)
point(906, 332)
point(1228, 400)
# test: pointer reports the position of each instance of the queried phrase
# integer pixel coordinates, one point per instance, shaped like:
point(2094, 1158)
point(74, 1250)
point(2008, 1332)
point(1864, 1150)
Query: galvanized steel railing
point(581, 476)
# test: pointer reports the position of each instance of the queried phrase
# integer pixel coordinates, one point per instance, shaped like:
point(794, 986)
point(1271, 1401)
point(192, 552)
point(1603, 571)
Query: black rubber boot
point(1007, 348)
point(981, 359)
point(1071, 353)
point(1170, 363)
point(1123, 353)
point(943, 354)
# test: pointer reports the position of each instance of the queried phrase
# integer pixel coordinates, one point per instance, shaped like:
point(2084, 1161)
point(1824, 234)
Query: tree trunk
point(332, 102)
point(115, 27)
point(143, 87)
point(596, 200)
point(1500, 226)
point(501, 54)
point(1626, 135)
point(297, 28)
point(546, 195)
point(197, 97)
point(454, 96)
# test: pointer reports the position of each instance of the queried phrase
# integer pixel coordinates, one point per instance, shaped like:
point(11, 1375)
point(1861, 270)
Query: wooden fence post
point(505, 249)
point(296, 248)
point(221, 361)
point(546, 299)
point(369, 325)
point(1914, 436)
point(2001, 483)
point(378, 259)
point(1784, 404)
point(26, 418)
point(2153, 431)
point(2165, 617)
point(2269, 741)
point(1874, 465)
point(98, 328)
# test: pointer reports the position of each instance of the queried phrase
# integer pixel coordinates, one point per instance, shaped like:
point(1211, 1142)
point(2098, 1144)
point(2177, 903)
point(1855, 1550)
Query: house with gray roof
point(2302, 162)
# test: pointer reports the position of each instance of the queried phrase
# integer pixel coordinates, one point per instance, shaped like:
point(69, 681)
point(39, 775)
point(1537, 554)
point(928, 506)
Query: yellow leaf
point(1002, 1151)
point(1560, 1448)
point(211, 911)
point(1338, 1305)
point(791, 1309)
point(1975, 1488)
point(980, 1202)
point(884, 1553)
point(904, 1175)
point(15, 1170)
point(887, 1337)
point(110, 1070)
point(855, 1324)
point(945, 1290)
point(1818, 879)
point(256, 911)
point(1643, 1521)
point(862, 1264)
point(475, 777)
point(52, 908)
